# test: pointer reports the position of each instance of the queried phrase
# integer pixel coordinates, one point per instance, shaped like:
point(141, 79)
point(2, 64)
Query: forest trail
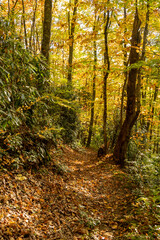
point(87, 198)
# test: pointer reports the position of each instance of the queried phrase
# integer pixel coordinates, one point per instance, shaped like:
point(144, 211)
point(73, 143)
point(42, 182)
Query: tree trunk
point(153, 109)
point(142, 58)
point(8, 8)
point(47, 29)
point(33, 28)
point(120, 149)
point(106, 74)
point(125, 70)
point(24, 25)
point(93, 88)
point(71, 30)
point(38, 47)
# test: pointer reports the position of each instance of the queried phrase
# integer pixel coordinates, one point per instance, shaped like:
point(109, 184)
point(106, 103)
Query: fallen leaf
point(114, 226)
point(20, 177)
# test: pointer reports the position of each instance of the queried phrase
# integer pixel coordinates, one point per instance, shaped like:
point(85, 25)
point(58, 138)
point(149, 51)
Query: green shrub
point(33, 115)
point(144, 170)
point(26, 127)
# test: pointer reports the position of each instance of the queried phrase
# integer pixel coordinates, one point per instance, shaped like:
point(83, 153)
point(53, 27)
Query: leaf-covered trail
point(102, 192)
point(91, 200)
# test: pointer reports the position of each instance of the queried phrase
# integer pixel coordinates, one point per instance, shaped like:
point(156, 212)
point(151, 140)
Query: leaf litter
point(89, 199)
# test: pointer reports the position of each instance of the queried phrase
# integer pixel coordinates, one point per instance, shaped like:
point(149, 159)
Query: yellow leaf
point(20, 177)
point(114, 226)
point(42, 200)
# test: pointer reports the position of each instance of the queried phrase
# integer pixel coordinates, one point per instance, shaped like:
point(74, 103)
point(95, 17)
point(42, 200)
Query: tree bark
point(125, 70)
point(9, 9)
point(38, 45)
point(24, 25)
point(47, 29)
point(106, 74)
point(93, 88)
point(153, 110)
point(142, 58)
point(120, 149)
point(33, 28)
point(71, 30)
point(145, 33)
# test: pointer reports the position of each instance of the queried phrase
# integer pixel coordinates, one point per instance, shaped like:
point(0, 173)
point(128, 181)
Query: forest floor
point(85, 197)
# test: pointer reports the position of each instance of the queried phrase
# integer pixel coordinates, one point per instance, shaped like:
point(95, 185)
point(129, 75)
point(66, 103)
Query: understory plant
point(144, 168)
point(29, 109)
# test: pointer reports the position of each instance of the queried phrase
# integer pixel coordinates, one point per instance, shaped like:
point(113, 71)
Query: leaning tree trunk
point(47, 29)
point(132, 113)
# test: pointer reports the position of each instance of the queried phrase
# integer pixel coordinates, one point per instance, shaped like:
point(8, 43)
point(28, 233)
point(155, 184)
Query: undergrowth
point(145, 220)
point(31, 111)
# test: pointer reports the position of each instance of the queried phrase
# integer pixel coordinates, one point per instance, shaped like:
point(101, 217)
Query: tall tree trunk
point(120, 149)
point(125, 70)
point(71, 30)
point(8, 8)
point(144, 91)
point(38, 47)
point(47, 29)
point(106, 74)
point(24, 25)
point(93, 87)
point(145, 33)
point(142, 57)
point(153, 110)
point(33, 28)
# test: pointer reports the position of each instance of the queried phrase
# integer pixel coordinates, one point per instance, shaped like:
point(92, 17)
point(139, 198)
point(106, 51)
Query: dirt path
point(101, 193)
point(87, 198)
